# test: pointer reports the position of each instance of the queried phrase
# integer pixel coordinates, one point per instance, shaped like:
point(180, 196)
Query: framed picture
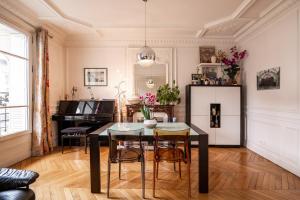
point(206, 53)
point(268, 79)
point(95, 77)
point(210, 72)
point(196, 79)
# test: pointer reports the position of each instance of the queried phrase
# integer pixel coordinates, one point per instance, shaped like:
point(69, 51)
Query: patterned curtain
point(41, 128)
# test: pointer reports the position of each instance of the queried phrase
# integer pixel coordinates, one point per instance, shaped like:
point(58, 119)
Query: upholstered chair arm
point(13, 178)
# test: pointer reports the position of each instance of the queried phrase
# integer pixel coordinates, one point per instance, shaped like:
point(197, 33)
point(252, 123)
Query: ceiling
point(165, 18)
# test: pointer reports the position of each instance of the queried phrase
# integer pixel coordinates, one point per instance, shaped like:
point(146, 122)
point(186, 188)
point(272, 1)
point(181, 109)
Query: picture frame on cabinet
point(95, 76)
point(196, 79)
point(210, 72)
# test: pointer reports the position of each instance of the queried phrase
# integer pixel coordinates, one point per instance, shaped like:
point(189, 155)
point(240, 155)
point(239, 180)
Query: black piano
point(83, 113)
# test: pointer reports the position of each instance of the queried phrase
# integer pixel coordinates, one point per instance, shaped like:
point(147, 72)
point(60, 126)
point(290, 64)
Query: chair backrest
point(178, 135)
point(173, 137)
point(117, 137)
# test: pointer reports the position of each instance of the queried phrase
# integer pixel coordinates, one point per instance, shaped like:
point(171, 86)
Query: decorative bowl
point(133, 100)
point(150, 123)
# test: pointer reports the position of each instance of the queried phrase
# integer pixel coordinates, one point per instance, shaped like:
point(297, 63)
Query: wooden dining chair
point(173, 154)
point(126, 147)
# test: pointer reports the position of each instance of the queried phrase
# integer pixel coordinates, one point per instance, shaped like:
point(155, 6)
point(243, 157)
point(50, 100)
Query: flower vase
point(232, 74)
point(150, 123)
point(238, 77)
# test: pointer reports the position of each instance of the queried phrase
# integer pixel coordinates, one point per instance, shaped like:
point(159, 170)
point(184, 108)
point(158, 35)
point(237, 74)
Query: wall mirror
point(148, 79)
point(163, 71)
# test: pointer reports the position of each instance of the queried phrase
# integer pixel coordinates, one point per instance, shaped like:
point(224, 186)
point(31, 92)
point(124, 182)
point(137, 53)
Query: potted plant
point(147, 100)
point(168, 95)
point(232, 62)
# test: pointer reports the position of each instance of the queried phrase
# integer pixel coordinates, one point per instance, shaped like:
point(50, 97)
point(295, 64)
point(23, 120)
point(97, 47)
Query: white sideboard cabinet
point(217, 110)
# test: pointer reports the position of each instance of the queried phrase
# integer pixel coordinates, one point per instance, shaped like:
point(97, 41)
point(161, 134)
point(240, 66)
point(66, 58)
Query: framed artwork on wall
point(268, 79)
point(206, 52)
point(95, 77)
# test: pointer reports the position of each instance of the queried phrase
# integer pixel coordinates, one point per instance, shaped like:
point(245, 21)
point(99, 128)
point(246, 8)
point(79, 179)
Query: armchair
point(14, 184)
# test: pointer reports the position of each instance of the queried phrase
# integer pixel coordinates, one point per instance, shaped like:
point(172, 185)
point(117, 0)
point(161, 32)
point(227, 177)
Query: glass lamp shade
point(146, 56)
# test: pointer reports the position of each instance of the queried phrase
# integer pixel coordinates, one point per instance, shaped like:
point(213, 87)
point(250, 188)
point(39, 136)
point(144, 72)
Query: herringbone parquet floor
point(235, 174)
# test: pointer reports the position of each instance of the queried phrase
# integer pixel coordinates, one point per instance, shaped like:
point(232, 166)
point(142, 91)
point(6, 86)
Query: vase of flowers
point(148, 100)
point(232, 62)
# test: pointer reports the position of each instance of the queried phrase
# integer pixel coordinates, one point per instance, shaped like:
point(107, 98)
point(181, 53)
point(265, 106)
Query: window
point(14, 81)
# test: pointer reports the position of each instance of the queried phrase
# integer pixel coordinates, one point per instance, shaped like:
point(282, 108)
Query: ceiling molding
point(28, 17)
point(232, 27)
point(270, 8)
point(270, 14)
point(245, 5)
point(57, 34)
point(152, 42)
point(200, 33)
point(51, 6)
point(17, 11)
point(221, 23)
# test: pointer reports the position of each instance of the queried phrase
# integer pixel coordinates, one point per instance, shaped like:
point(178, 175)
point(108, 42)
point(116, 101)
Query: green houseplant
point(168, 95)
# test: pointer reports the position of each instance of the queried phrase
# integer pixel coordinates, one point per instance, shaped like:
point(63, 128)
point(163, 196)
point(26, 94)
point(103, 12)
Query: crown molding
point(57, 34)
point(268, 16)
point(178, 37)
point(151, 42)
point(25, 17)
point(12, 14)
point(221, 24)
point(51, 6)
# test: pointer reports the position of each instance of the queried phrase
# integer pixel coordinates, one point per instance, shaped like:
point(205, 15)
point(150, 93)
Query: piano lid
point(83, 107)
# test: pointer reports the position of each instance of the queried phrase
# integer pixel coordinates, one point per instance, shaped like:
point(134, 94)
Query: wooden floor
point(234, 174)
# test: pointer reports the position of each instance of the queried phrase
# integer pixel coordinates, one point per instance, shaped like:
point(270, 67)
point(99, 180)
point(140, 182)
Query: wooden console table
point(168, 109)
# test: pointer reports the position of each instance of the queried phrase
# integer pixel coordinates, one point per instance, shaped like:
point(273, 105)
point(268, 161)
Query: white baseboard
point(275, 158)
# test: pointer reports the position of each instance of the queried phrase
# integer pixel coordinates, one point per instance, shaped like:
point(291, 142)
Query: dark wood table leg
point(95, 164)
point(203, 163)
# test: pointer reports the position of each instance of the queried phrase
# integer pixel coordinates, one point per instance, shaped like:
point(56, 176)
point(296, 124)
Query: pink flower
point(148, 98)
point(236, 57)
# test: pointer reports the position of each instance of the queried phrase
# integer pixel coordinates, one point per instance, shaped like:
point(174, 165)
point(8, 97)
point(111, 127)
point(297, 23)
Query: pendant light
point(146, 56)
point(150, 83)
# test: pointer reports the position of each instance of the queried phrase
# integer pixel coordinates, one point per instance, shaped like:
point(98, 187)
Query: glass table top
point(147, 131)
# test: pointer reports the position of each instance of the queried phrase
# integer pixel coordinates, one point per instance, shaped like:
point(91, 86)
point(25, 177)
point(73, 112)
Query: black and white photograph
point(95, 76)
point(268, 79)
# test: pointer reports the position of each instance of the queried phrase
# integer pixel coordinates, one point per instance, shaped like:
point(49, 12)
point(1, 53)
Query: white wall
point(106, 57)
point(273, 116)
point(185, 57)
point(57, 75)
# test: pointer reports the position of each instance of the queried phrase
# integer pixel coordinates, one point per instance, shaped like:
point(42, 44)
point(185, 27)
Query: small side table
point(74, 133)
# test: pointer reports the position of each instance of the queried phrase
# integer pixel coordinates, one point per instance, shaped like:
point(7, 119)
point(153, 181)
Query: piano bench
point(75, 133)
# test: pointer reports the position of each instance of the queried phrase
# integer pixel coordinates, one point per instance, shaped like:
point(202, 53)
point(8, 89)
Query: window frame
point(30, 61)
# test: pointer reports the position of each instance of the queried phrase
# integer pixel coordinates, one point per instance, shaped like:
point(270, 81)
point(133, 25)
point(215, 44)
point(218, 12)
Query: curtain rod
point(23, 20)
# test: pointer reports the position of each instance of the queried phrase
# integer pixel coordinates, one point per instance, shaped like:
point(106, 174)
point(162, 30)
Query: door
point(230, 100)
point(201, 97)
point(229, 133)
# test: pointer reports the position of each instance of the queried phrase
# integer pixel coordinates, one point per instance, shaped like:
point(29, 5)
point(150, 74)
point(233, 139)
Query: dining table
point(99, 138)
